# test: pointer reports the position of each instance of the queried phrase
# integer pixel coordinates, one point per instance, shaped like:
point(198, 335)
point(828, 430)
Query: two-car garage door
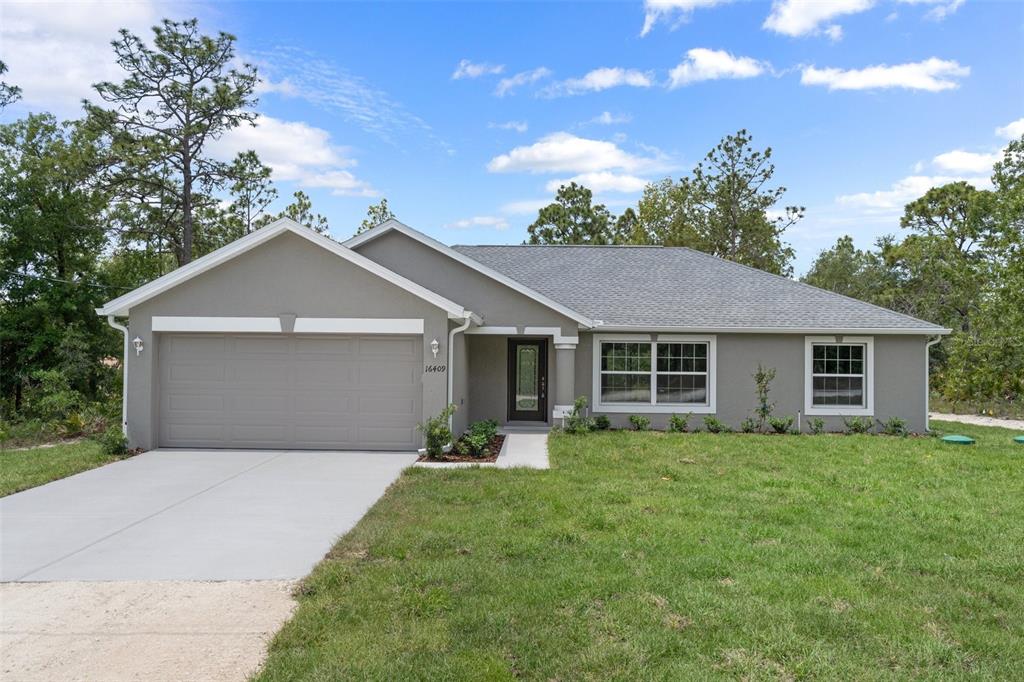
point(290, 391)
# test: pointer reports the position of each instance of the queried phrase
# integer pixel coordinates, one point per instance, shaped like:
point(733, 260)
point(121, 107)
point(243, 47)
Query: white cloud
point(806, 17)
point(600, 79)
point(702, 64)
point(507, 85)
point(959, 161)
point(518, 126)
point(940, 9)
point(565, 152)
point(493, 222)
point(296, 152)
point(524, 206)
point(932, 75)
point(657, 10)
point(56, 51)
point(1011, 130)
point(607, 118)
point(603, 181)
point(904, 191)
point(834, 33)
point(467, 69)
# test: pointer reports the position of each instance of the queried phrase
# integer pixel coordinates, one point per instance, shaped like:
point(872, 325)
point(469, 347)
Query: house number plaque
point(431, 369)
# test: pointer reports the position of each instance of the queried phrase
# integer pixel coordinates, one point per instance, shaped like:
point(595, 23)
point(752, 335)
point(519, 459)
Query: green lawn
point(664, 556)
point(22, 469)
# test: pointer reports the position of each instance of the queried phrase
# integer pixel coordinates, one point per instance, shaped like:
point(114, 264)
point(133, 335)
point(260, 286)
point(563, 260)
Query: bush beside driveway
point(680, 556)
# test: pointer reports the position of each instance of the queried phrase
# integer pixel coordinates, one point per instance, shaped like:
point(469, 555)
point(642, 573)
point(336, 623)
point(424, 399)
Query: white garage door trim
point(303, 325)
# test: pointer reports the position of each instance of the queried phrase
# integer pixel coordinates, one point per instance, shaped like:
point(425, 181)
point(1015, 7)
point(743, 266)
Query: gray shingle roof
point(630, 286)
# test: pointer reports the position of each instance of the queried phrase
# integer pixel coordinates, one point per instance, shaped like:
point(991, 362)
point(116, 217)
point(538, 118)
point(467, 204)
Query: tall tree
point(852, 272)
point(180, 94)
point(573, 218)
point(252, 190)
point(52, 234)
point(375, 215)
point(8, 93)
point(723, 208)
point(301, 211)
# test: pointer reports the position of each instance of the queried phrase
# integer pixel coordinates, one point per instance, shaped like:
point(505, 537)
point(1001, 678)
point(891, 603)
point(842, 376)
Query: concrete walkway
point(527, 449)
point(979, 420)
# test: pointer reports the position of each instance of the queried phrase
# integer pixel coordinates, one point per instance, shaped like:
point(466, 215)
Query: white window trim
point(869, 378)
point(652, 407)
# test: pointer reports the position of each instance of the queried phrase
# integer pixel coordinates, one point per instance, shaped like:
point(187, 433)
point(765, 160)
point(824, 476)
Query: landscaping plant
point(762, 381)
point(816, 425)
point(639, 422)
point(678, 423)
point(113, 441)
point(602, 422)
point(894, 426)
point(781, 424)
point(436, 432)
point(577, 421)
point(716, 425)
point(748, 425)
point(858, 425)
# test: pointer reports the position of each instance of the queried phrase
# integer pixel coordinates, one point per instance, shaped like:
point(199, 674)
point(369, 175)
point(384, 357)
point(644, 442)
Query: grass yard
point(668, 556)
point(23, 469)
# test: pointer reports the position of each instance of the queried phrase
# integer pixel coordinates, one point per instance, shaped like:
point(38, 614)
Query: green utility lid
point(1019, 439)
point(958, 440)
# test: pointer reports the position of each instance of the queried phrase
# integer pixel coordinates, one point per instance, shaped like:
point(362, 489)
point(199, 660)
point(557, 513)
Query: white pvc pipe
point(124, 374)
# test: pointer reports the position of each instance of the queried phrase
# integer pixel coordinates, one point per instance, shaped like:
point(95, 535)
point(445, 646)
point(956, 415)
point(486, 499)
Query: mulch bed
point(490, 454)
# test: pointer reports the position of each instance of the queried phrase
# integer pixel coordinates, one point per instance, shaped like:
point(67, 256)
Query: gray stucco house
point(287, 339)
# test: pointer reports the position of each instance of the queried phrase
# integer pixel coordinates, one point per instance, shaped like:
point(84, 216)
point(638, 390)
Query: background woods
point(94, 207)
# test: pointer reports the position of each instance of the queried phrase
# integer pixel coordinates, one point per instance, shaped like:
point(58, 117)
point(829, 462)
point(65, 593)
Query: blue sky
point(865, 103)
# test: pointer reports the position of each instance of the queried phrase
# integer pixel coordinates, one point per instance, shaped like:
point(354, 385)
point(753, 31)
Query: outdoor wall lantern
point(137, 342)
point(435, 346)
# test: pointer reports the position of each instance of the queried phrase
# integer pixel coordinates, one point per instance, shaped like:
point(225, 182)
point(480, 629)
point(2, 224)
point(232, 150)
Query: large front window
point(666, 373)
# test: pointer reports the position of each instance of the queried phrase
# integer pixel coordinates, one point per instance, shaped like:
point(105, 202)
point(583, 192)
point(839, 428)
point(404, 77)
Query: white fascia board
point(393, 224)
point(775, 330)
point(121, 305)
point(357, 325)
point(163, 323)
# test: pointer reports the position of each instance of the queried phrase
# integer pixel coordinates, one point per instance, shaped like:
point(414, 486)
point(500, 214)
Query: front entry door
point(527, 380)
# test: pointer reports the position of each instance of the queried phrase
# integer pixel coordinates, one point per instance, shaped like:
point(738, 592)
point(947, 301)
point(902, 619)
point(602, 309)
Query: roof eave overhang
point(929, 331)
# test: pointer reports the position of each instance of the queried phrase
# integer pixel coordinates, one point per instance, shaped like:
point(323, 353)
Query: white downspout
point(124, 374)
point(927, 380)
point(451, 357)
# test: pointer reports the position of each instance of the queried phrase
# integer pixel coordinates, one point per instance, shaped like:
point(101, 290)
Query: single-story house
point(286, 339)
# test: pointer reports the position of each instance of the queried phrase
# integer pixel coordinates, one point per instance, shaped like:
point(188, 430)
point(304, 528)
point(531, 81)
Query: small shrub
point(858, 425)
point(817, 425)
point(577, 421)
point(781, 424)
point(762, 380)
point(716, 425)
point(113, 441)
point(678, 423)
point(436, 432)
point(748, 425)
point(484, 427)
point(639, 422)
point(602, 422)
point(894, 426)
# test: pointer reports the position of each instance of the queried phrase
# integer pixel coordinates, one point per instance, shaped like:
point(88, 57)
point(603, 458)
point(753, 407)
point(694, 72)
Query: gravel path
point(979, 420)
point(152, 631)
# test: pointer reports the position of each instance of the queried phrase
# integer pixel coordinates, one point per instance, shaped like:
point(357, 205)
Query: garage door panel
point(289, 392)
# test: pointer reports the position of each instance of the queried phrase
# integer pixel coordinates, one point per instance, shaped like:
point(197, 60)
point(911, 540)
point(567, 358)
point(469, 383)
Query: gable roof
point(676, 288)
point(122, 304)
point(522, 287)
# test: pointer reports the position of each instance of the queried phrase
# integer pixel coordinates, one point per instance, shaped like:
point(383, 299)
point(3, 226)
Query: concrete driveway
point(192, 515)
